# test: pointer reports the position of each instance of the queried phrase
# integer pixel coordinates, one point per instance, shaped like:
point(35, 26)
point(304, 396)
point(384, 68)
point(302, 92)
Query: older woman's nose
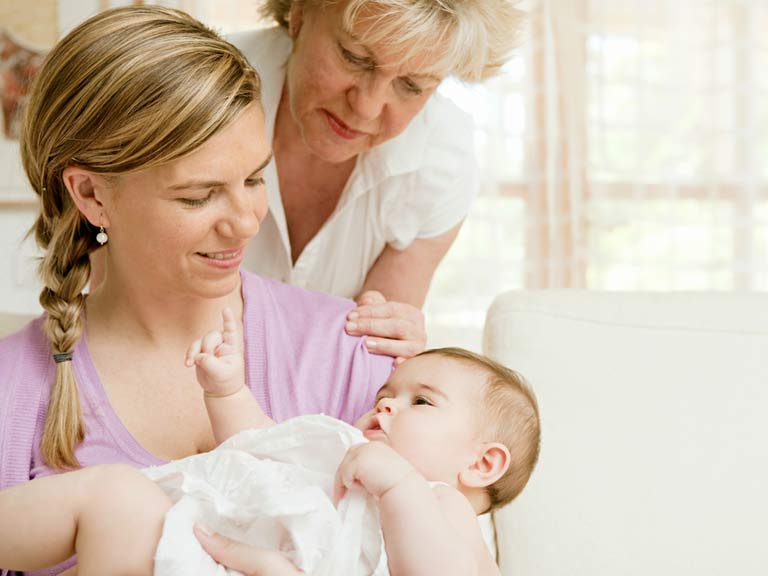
point(368, 98)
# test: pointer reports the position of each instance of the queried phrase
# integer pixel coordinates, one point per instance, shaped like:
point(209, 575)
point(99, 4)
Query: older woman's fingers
point(243, 558)
point(370, 297)
point(399, 349)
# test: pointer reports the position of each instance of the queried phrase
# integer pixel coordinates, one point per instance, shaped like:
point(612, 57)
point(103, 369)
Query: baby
point(451, 435)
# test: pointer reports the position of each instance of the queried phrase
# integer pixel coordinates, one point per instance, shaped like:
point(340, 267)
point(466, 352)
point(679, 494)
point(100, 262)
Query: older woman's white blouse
point(417, 185)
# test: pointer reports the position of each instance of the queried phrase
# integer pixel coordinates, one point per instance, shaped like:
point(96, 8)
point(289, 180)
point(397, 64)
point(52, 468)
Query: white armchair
point(654, 433)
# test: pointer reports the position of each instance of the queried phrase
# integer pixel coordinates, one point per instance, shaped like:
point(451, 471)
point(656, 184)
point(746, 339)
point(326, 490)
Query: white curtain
point(621, 151)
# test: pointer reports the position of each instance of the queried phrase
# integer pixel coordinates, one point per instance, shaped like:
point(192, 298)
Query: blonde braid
point(65, 270)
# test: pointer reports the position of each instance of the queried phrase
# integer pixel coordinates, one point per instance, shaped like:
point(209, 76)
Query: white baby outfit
point(272, 488)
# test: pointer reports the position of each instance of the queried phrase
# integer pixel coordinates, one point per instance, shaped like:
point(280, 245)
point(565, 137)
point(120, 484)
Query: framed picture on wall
point(18, 65)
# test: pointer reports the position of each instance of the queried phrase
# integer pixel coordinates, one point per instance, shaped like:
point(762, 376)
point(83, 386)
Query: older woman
point(144, 134)
point(373, 171)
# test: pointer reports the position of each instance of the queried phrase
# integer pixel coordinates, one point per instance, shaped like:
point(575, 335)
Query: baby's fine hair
point(512, 412)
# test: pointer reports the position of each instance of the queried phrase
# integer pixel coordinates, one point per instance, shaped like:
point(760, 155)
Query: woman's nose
point(244, 214)
point(367, 98)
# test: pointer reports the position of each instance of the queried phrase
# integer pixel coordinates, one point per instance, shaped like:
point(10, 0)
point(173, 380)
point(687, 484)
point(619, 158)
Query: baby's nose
point(386, 405)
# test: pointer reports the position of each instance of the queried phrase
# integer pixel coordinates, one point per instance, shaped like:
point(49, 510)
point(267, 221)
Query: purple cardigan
point(298, 360)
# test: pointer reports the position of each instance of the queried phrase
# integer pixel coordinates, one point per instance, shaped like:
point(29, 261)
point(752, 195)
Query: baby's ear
point(491, 464)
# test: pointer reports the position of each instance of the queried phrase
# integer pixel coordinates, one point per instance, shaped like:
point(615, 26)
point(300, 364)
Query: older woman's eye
point(361, 61)
point(251, 182)
point(411, 87)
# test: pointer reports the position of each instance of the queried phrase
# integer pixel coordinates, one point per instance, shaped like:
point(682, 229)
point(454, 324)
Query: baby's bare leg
point(112, 516)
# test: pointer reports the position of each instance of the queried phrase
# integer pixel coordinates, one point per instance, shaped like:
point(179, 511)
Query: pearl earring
point(102, 237)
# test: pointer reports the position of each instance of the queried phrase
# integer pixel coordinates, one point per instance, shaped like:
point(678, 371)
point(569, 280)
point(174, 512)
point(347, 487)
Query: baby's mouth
point(375, 427)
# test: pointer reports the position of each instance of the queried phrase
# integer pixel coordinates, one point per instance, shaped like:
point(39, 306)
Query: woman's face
point(347, 97)
point(181, 228)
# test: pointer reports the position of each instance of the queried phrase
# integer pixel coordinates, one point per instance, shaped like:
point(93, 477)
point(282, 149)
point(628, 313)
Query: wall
point(36, 25)
point(19, 287)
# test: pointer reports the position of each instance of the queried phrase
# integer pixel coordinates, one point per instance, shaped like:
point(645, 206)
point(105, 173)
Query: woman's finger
point(401, 350)
point(370, 297)
point(246, 559)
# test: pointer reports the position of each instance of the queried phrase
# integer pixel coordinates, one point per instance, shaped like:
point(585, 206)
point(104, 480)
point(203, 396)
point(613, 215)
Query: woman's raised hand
point(393, 328)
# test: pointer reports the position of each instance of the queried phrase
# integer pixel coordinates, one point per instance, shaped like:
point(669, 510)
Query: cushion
point(10, 322)
point(654, 414)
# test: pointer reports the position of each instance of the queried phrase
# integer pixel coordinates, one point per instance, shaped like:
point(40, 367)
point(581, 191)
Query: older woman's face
point(347, 97)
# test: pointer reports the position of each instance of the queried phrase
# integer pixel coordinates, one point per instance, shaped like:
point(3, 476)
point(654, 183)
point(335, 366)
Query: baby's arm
point(218, 359)
point(426, 531)
point(111, 516)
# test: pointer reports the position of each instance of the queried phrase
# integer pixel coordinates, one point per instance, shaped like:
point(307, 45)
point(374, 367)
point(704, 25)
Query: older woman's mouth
point(341, 128)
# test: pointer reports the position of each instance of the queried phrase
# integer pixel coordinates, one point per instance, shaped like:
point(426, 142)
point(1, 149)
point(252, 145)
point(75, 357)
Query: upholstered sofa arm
point(10, 323)
point(655, 432)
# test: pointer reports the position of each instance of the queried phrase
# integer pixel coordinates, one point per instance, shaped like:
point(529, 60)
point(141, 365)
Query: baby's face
point(428, 412)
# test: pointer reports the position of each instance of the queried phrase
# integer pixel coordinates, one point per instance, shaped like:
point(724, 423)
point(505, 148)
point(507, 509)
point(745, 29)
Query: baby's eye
point(421, 401)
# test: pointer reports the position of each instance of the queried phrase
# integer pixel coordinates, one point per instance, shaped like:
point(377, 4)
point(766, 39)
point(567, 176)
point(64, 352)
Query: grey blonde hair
point(478, 36)
point(128, 89)
point(511, 414)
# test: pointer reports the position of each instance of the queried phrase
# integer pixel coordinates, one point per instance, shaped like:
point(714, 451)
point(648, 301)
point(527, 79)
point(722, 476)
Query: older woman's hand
point(243, 558)
point(393, 328)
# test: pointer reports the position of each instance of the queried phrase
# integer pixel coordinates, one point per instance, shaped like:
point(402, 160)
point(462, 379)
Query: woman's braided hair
point(126, 90)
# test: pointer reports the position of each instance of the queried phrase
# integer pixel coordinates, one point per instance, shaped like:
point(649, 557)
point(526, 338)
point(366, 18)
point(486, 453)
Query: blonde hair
point(128, 89)
point(477, 36)
point(512, 414)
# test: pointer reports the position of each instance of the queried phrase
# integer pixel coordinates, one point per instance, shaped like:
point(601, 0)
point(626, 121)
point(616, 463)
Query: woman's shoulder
point(444, 118)
point(292, 302)
point(25, 362)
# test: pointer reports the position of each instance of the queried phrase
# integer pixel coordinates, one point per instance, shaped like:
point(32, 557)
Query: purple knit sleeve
point(312, 365)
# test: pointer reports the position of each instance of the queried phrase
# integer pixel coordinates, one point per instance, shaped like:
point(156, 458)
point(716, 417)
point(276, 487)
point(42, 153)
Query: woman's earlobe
point(84, 189)
point(490, 465)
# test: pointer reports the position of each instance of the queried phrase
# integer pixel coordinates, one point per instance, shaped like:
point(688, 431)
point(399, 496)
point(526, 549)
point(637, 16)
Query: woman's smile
point(225, 259)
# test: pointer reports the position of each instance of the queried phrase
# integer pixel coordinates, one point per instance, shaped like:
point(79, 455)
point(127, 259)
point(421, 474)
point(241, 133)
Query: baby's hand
point(218, 359)
point(375, 466)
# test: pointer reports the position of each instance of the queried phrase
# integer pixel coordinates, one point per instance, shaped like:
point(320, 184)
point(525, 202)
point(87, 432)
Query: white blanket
point(271, 488)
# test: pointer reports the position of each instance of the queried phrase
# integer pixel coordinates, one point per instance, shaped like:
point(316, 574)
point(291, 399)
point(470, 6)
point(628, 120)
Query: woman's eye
point(254, 181)
point(195, 202)
point(411, 87)
point(356, 60)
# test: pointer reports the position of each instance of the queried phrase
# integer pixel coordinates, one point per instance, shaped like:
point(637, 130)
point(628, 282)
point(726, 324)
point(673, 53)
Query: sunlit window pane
point(664, 244)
